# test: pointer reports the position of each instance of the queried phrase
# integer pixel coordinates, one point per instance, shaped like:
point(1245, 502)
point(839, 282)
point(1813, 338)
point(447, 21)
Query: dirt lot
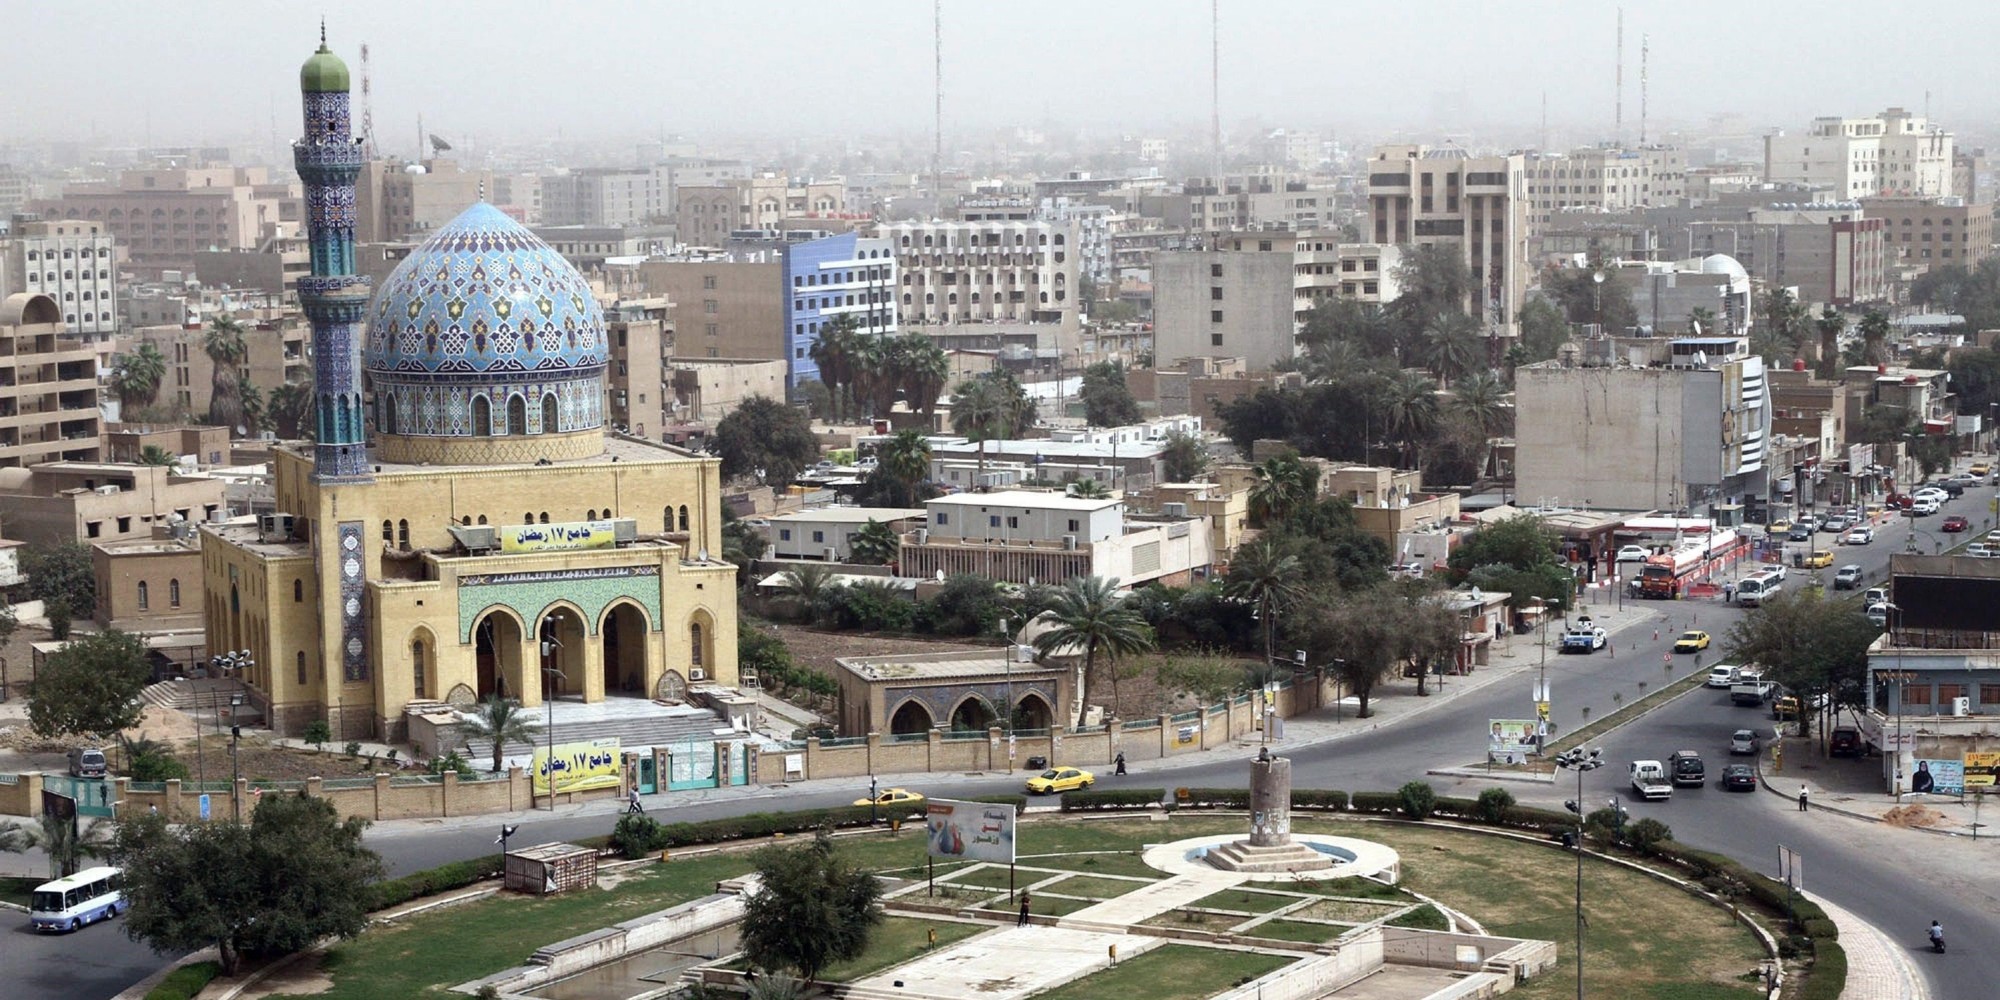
point(258, 761)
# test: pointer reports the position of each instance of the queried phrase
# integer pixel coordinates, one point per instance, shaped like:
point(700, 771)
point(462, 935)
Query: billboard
point(1940, 777)
point(553, 537)
point(1981, 769)
point(969, 831)
point(579, 766)
point(1510, 736)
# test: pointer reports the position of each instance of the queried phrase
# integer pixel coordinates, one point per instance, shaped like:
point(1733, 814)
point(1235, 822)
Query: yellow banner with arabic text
point(552, 537)
point(579, 766)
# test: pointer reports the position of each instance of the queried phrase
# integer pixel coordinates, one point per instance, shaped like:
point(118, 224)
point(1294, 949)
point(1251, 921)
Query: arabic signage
point(1940, 777)
point(1981, 769)
point(579, 766)
point(1510, 738)
point(969, 831)
point(556, 576)
point(553, 537)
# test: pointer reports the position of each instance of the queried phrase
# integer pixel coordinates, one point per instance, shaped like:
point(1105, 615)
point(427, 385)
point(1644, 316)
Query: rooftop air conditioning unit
point(624, 529)
point(1069, 542)
point(1021, 653)
point(697, 674)
point(830, 554)
point(107, 490)
point(1961, 705)
point(923, 536)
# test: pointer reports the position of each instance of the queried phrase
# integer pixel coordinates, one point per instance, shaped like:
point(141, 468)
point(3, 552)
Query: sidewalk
point(1853, 787)
point(1877, 968)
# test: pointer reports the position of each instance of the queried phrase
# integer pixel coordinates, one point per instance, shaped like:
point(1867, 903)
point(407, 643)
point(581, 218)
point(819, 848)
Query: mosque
point(489, 536)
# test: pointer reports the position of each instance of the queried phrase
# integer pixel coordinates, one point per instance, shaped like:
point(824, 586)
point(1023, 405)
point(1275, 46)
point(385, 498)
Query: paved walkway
point(1149, 901)
point(1853, 787)
point(1877, 968)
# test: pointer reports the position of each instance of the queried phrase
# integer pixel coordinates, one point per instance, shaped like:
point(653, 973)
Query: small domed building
point(462, 524)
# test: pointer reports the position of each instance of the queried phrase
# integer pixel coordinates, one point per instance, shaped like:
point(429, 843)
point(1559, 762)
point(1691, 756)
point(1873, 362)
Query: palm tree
point(834, 352)
point(924, 371)
point(62, 838)
point(1277, 487)
point(1451, 345)
point(874, 543)
point(1410, 404)
point(1481, 398)
point(1267, 578)
point(869, 374)
point(226, 351)
point(1831, 324)
point(290, 410)
point(1184, 456)
point(1089, 489)
point(137, 377)
point(1874, 335)
point(153, 454)
point(906, 460)
point(807, 582)
point(256, 417)
point(1090, 614)
point(501, 720)
point(1701, 320)
point(981, 411)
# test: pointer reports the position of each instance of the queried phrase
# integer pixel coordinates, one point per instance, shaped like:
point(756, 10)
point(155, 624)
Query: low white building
point(826, 533)
point(1023, 536)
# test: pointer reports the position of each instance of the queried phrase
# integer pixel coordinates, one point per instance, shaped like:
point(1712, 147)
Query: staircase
point(631, 731)
point(197, 696)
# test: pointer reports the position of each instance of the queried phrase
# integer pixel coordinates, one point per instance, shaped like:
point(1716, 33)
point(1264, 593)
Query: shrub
point(1819, 929)
point(1416, 799)
point(185, 981)
point(1494, 805)
point(1646, 834)
point(353, 748)
point(636, 836)
point(1218, 798)
point(156, 767)
point(1095, 799)
point(318, 733)
point(1375, 802)
point(1317, 798)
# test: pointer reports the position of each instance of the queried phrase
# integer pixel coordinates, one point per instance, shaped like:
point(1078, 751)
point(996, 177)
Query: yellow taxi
point(894, 797)
point(1778, 527)
point(1818, 560)
point(1060, 779)
point(1980, 469)
point(1693, 640)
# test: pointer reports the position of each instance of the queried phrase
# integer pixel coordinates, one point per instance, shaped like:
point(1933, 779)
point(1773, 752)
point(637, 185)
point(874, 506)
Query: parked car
point(1922, 508)
point(1982, 550)
point(1723, 676)
point(1686, 768)
point(1692, 640)
point(1879, 614)
point(1951, 487)
point(1835, 524)
point(1633, 553)
point(1874, 595)
point(1954, 524)
point(898, 798)
point(1742, 741)
point(1858, 536)
point(1060, 779)
point(1847, 577)
point(1799, 533)
point(1739, 778)
point(1844, 741)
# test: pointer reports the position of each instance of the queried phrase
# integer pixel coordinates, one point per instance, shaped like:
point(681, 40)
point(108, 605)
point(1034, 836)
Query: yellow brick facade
point(643, 619)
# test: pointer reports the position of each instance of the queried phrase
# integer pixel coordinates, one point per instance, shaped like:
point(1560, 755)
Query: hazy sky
point(516, 69)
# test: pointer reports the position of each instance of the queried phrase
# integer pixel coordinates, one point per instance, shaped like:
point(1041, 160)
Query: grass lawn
point(1248, 900)
point(1095, 888)
point(991, 878)
point(19, 890)
point(1170, 972)
point(1297, 930)
point(896, 941)
point(447, 946)
point(1353, 910)
point(1042, 905)
point(1098, 864)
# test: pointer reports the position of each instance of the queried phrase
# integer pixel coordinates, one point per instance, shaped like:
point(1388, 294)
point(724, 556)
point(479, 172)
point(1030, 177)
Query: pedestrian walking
point(1120, 762)
point(1023, 922)
point(635, 805)
point(1802, 798)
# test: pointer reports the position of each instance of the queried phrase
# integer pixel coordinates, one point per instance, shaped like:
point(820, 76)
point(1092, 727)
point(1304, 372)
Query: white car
point(1879, 614)
point(1923, 507)
point(1633, 553)
point(1931, 493)
point(1859, 536)
point(1981, 550)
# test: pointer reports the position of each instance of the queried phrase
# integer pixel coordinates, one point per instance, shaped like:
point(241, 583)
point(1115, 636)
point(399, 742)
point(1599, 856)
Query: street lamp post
point(1579, 760)
point(235, 775)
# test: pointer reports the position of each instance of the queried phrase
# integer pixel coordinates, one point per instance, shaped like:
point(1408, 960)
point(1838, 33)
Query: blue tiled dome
point(484, 296)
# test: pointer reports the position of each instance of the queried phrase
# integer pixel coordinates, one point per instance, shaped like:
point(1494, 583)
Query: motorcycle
point(1937, 940)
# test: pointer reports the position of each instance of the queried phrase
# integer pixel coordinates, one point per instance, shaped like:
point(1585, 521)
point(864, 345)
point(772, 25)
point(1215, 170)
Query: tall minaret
point(334, 297)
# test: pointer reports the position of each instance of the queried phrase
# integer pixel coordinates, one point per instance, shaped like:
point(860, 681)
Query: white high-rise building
point(1475, 205)
point(1604, 179)
point(72, 261)
point(969, 272)
point(1893, 153)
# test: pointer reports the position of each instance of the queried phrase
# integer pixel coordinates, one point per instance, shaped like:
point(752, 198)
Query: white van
point(1757, 589)
point(1724, 675)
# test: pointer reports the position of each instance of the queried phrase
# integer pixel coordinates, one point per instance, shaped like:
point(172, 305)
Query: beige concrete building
point(1892, 153)
point(1603, 179)
point(397, 200)
point(48, 386)
point(72, 261)
point(1236, 300)
point(1476, 205)
point(724, 306)
point(86, 502)
point(127, 443)
point(958, 690)
point(277, 355)
point(705, 390)
point(162, 216)
point(1935, 231)
point(642, 339)
point(148, 585)
point(827, 533)
point(976, 272)
point(705, 214)
point(1022, 535)
point(273, 268)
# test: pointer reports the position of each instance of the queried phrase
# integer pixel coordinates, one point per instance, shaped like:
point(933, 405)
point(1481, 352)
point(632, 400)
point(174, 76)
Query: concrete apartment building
point(1665, 294)
point(1475, 205)
point(705, 215)
point(88, 502)
point(1934, 677)
point(1644, 424)
point(1018, 535)
point(48, 386)
point(277, 342)
point(127, 443)
point(1938, 231)
point(1603, 179)
point(273, 268)
point(980, 272)
point(821, 280)
point(1892, 153)
point(72, 261)
point(1273, 199)
point(725, 305)
point(606, 197)
point(591, 247)
point(641, 331)
point(1968, 176)
point(1237, 299)
point(1202, 385)
point(397, 200)
point(704, 390)
point(162, 216)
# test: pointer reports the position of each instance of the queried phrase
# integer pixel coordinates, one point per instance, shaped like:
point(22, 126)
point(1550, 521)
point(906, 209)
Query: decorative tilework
point(353, 598)
point(530, 595)
point(333, 299)
point(939, 700)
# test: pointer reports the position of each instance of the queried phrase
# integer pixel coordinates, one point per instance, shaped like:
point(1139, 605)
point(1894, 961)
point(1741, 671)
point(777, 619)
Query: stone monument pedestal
point(1269, 847)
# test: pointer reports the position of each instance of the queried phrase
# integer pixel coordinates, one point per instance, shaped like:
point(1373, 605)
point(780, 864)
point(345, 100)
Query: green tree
point(1331, 546)
point(318, 733)
point(835, 351)
point(1452, 346)
point(874, 543)
point(90, 687)
point(1544, 330)
point(766, 438)
point(1975, 378)
point(1410, 412)
point(136, 378)
point(1089, 489)
point(256, 418)
point(294, 875)
point(1280, 485)
point(1482, 400)
point(1268, 579)
point(1347, 321)
point(1205, 675)
point(1586, 300)
point(153, 454)
point(903, 467)
point(60, 576)
point(1433, 279)
point(982, 411)
point(1265, 415)
point(922, 371)
point(64, 839)
point(813, 907)
point(1830, 325)
point(1107, 400)
point(1354, 632)
point(503, 721)
point(1091, 615)
point(290, 410)
point(1874, 329)
point(808, 584)
point(1517, 556)
point(226, 350)
point(965, 605)
point(1184, 456)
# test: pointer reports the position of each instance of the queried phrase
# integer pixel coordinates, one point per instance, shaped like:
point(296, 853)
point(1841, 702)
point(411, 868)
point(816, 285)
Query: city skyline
point(1113, 66)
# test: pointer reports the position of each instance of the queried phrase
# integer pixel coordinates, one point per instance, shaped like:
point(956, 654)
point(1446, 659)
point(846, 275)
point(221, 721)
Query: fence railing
point(843, 741)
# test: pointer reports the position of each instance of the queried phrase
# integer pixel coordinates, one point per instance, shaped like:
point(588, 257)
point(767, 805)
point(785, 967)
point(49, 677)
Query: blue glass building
point(845, 275)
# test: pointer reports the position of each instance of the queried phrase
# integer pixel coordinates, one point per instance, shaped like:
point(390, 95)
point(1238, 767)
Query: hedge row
point(1097, 799)
point(432, 881)
point(185, 981)
point(1317, 800)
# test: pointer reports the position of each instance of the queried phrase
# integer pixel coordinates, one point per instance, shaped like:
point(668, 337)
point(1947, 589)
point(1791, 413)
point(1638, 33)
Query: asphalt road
point(97, 961)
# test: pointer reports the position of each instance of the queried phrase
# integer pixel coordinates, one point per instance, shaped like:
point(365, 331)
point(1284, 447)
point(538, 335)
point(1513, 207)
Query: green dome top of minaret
point(323, 72)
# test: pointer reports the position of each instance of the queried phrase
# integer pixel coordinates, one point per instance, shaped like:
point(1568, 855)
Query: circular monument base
point(1346, 857)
